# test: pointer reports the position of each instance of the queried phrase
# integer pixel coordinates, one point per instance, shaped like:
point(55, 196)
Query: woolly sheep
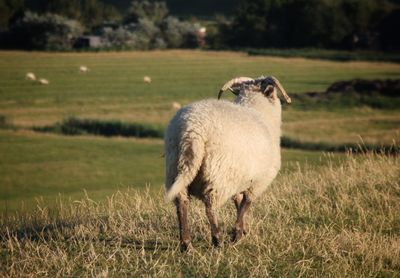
point(176, 105)
point(43, 81)
point(147, 79)
point(83, 69)
point(30, 76)
point(216, 150)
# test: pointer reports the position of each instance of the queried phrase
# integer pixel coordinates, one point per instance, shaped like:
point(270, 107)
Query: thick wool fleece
point(224, 147)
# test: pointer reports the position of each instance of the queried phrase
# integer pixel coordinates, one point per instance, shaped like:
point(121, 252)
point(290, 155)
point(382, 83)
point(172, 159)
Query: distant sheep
point(176, 105)
point(83, 69)
point(30, 76)
point(147, 79)
point(216, 150)
point(43, 81)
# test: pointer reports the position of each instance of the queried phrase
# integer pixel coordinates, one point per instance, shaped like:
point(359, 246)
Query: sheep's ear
point(270, 91)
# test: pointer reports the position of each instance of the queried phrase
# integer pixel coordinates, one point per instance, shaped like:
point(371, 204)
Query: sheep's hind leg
point(209, 201)
point(242, 203)
point(182, 204)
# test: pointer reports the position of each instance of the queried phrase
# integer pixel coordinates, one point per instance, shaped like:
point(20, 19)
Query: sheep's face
point(263, 100)
point(258, 93)
point(270, 92)
point(246, 88)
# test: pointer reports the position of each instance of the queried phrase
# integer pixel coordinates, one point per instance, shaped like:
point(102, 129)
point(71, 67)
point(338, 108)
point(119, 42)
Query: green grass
point(109, 128)
point(114, 87)
point(44, 166)
point(347, 100)
point(361, 125)
point(113, 93)
point(326, 54)
point(287, 142)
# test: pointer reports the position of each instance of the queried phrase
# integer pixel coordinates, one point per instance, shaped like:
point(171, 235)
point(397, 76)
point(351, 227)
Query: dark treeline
point(147, 24)
point(340, 24)
point(88, 12)
point(186, 8)
point(67, 24)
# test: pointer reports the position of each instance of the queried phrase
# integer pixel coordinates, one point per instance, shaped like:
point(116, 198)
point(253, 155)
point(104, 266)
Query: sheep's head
point(265, 85)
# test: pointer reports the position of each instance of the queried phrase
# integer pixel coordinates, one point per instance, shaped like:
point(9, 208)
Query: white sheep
point(176, 105)
point(83, 69)
point(216, 150)
point(30, 76)
point(43, 81)
point(147, 79)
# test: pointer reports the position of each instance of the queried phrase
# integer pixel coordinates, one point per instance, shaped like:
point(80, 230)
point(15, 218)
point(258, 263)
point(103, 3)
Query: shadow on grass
point(39, 232)
point(64, 229)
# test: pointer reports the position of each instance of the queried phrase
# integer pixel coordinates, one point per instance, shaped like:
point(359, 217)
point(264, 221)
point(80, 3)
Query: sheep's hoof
point(238, 235)
point(186, 246)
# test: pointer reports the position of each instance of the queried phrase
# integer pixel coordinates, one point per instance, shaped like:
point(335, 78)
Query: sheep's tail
point(190, 157)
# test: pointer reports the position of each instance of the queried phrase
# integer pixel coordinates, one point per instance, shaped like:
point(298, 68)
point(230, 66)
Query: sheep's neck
point(271, 111)
point(272, 118)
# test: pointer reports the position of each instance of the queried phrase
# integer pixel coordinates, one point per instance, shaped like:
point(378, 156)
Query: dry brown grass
point(336, 221)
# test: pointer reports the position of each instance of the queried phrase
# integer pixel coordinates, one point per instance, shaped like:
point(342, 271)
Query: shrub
point(142, 35)
point(47, 31)
point(120, 37)
point(179, 34)
point(145, 34)
point(77, 126)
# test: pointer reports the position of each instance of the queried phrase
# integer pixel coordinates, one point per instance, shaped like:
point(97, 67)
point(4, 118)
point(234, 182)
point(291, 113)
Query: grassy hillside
point(37, 165)
point(334, 221)
point(114, 87)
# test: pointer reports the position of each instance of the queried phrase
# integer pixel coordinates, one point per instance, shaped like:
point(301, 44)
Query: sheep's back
point(239, 149)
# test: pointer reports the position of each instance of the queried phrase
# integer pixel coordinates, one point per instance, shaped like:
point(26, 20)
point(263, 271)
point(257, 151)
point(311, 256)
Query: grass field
point(327, 213)
point(114, 87)
point(42, 165)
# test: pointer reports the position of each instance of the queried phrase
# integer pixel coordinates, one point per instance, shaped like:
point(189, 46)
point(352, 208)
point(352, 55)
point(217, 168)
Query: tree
point(250, 23)
point(153, 11)
point(67, 8)
point(388, 28)
point(179, 34)
point(47, 31)
point(307, 23)
point(8, 10)
point(95, 13)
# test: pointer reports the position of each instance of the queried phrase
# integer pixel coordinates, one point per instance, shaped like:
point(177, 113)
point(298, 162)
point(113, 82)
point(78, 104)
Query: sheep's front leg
point(182, 204)
point(209, 201)
point(242, 203)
